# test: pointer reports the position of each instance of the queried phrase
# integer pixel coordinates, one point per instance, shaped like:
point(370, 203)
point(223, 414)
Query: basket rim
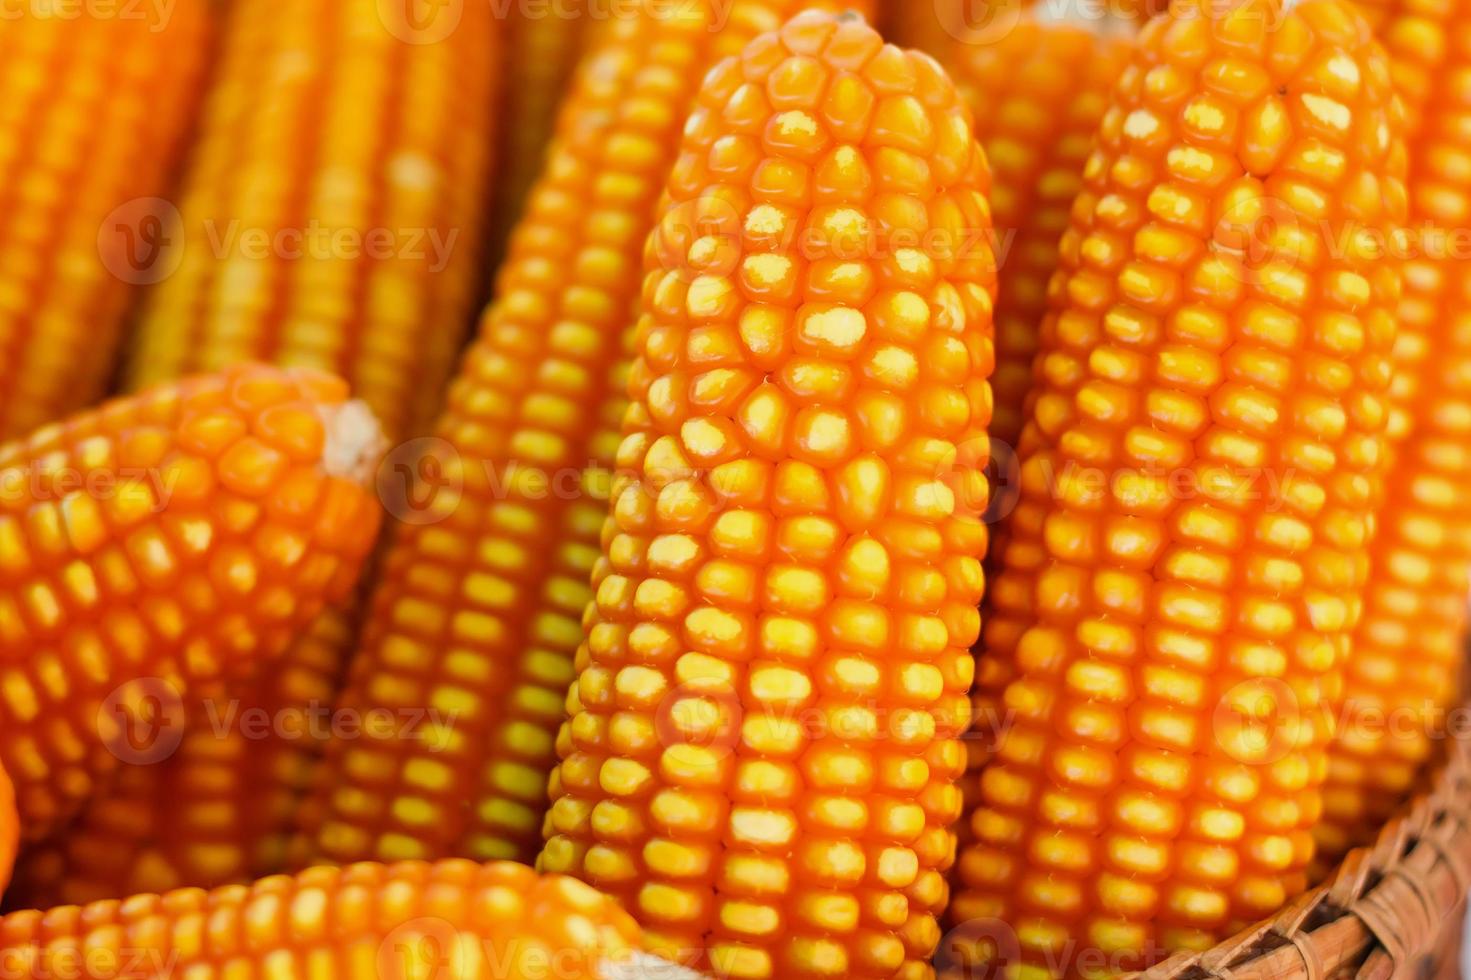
point(1382, 909)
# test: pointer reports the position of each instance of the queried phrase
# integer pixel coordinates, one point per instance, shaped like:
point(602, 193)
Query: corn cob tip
point(642, 966)
point(355, 441)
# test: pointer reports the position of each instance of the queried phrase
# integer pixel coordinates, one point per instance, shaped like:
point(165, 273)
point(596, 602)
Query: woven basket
point(1392, 910)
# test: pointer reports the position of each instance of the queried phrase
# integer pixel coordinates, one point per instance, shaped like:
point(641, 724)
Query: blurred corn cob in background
point(543, 46)
point(331, 217)
point(148, 545)
point(97, 104)
point(408, 921)
point(1407, 655)
point(1202, 459)
point(477, 613)
point(331, 211)
point(764, 734)
point(1038, 93)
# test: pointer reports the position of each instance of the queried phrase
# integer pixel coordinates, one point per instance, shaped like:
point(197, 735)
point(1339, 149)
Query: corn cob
point(330, 214)
point(96, 108)
point(477, 612)
point(368, 921)
point(1038, 94)
point(763, 741)
point(1203, 452)
point(543, 45)
point(148, 543)
point(1407, 654)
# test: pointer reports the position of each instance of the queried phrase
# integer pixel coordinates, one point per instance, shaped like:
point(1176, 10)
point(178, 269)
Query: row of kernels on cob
point(367, 921)
point(478, 610)
point(785, 543)
point(1407, 656)
point(327, 125)
point(95, 113)
point(1171, 655)
point(148, 543)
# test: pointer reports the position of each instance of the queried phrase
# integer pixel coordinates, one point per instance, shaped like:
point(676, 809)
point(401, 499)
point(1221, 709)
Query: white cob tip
point(355, 442)
point(642, 966)
point(1102, 23)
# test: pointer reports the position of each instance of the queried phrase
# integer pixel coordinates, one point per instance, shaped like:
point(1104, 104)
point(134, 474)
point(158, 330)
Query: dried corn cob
point(97, 104)
point(148, 543)
point(477, 613)
point(330, 214)
point(762, 747)
point(1407, 656)
point(1198, 474)
point(542, 48)
point(368, 921)
point(1038, 94)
